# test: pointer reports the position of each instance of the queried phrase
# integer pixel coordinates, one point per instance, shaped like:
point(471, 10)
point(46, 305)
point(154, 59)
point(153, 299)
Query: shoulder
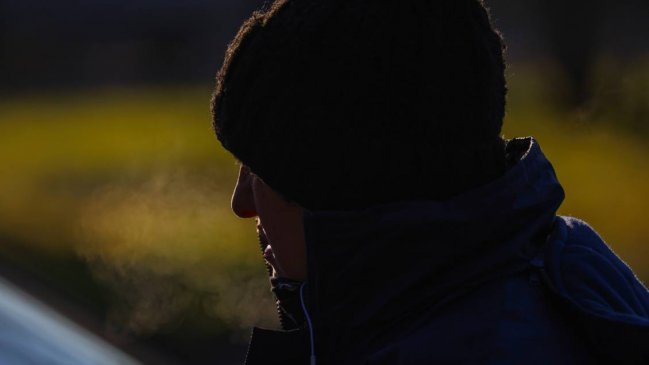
point(584, 269)
point(579, 234)
point(508, 321)
point(600, 292)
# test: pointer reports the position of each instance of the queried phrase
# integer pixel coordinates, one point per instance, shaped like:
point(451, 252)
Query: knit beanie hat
point(344, 104)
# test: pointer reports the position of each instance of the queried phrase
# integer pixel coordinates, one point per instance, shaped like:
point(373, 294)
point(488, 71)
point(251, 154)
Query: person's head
point(345, 104)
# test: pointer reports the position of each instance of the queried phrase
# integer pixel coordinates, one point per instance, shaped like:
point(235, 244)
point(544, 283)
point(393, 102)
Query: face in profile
point(279, 222)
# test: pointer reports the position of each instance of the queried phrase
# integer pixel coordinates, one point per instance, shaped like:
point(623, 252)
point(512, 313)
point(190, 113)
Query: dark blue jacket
point(491, 276)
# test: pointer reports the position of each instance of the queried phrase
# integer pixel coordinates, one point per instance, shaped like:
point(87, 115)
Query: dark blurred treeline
point(71, 43)
point(575, 34)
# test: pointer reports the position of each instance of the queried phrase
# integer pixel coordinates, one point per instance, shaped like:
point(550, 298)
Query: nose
point(243, 200)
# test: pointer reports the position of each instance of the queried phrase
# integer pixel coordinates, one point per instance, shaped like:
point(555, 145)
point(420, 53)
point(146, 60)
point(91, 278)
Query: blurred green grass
point(134, 181)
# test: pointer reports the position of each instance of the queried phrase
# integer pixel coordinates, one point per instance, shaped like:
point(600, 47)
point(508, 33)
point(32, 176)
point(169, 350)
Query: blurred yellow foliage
point(135, 182)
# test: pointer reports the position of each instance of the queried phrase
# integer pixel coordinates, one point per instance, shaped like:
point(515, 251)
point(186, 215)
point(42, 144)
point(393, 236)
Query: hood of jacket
point(370, 271)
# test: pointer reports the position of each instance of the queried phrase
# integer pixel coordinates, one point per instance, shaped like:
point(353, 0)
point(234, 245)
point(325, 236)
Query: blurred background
point(114, 193)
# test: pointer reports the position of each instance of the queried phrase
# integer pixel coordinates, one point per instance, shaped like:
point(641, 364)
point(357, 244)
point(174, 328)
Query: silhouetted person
point(397, 225)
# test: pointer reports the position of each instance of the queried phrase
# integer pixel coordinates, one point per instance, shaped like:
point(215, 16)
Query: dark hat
point(344, 104)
